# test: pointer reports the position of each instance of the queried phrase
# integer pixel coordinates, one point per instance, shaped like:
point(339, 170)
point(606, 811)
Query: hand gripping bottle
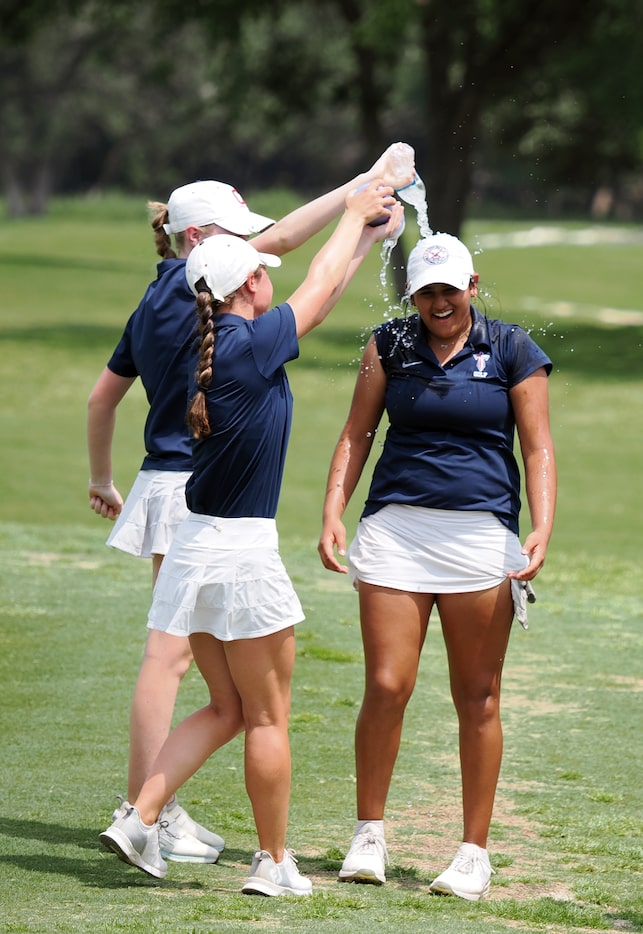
point(384, 219)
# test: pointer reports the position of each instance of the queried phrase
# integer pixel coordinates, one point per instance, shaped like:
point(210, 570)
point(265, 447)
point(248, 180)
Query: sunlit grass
point(566, 833)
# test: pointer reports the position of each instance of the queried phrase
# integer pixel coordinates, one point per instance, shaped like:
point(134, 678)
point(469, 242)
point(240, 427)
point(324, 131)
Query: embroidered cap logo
point(436, 255)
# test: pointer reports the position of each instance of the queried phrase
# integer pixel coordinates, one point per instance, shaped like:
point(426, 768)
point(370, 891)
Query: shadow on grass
point(49, 833)
point(106, 874)
point(102, 869)
point(405, 877)
point(625, 920)
point(633, 920)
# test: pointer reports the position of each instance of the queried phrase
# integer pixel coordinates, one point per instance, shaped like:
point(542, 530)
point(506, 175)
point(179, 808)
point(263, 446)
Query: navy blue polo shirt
point(450, 440)
point(238, 468)
point(156, 346)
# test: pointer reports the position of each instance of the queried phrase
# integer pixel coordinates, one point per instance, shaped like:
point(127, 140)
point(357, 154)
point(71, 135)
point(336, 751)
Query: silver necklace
point(462, 336)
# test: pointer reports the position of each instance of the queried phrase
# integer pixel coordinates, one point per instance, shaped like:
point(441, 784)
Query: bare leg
point(394, 625)
point(165, 662)
point(199, 735)
point(476, 629)
point(262, 671)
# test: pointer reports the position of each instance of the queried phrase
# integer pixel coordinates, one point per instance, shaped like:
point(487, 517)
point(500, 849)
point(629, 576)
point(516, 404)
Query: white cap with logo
point(208, 202)
point(224, 263)
point(439, 258)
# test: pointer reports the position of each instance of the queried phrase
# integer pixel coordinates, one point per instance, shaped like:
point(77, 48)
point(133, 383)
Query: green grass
point(567, 829)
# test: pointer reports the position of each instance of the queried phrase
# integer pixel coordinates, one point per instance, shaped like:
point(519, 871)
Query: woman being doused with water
point(440, 529)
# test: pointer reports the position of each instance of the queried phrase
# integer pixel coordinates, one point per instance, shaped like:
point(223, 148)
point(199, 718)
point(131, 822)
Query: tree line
point(538, 106)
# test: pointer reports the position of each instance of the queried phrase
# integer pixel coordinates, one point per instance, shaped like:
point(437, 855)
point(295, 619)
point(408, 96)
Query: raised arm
point(110, 388)
point(351, 454)
point(304, 222)
point(530, 401)
point(334, 265)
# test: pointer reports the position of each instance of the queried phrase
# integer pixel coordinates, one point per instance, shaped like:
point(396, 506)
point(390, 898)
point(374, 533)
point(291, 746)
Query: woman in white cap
point(155, 347)
point(440, 529)
point(222, 583)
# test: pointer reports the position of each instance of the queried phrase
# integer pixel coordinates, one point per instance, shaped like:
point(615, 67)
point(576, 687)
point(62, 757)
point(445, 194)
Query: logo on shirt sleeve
point(480, 371)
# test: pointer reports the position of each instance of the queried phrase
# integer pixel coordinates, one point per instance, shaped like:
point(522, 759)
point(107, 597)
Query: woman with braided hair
point(155, 346)
point(222, 583)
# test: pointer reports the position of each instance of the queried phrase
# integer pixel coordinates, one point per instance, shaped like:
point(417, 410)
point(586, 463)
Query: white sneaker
point(468, 876)
point(366, 858)
point(180, 847)
point(270, 878)
point(175, 813)
point(182, 840)
point(185, 841)
point(135, 843)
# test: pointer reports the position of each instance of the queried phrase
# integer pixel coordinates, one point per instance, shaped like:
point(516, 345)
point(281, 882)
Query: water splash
point(385, 255)
point(402, 157)
point(414, 195)
point(390, 307)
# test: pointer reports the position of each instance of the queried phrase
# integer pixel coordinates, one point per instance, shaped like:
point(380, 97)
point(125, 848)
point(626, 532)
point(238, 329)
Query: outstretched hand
point(105, 500)
point(384, 169)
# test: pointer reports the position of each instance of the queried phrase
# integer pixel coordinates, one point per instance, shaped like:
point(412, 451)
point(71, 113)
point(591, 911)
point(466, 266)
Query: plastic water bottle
point(402, 157)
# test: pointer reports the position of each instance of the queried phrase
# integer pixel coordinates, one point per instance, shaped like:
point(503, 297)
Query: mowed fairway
point(567, 831)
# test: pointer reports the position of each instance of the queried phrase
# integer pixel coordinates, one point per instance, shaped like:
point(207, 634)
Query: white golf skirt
point(224, 577)
point(433, 550)
point(151, 514)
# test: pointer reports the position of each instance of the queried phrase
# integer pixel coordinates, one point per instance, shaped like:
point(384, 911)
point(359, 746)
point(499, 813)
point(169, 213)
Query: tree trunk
point(450, 163)
point(453, 106)
point(41, 187)
point(13, 193)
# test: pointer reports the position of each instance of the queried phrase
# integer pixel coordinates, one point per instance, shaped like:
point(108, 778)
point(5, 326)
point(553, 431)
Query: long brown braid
point(159, 216)
point(197, 414)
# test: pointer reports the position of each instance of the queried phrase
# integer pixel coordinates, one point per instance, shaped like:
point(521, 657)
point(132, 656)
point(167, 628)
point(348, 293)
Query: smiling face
point(444, 309)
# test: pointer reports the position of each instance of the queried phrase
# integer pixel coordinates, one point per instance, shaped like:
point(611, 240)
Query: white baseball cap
point(439, 258)
point(224, 263)
point(203, 203)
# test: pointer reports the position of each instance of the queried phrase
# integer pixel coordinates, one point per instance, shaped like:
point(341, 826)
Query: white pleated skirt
point(224, 577)
point(151, 514)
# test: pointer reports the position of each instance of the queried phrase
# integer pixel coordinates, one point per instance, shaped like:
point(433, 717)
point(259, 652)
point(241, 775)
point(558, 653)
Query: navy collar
point(479, 333)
